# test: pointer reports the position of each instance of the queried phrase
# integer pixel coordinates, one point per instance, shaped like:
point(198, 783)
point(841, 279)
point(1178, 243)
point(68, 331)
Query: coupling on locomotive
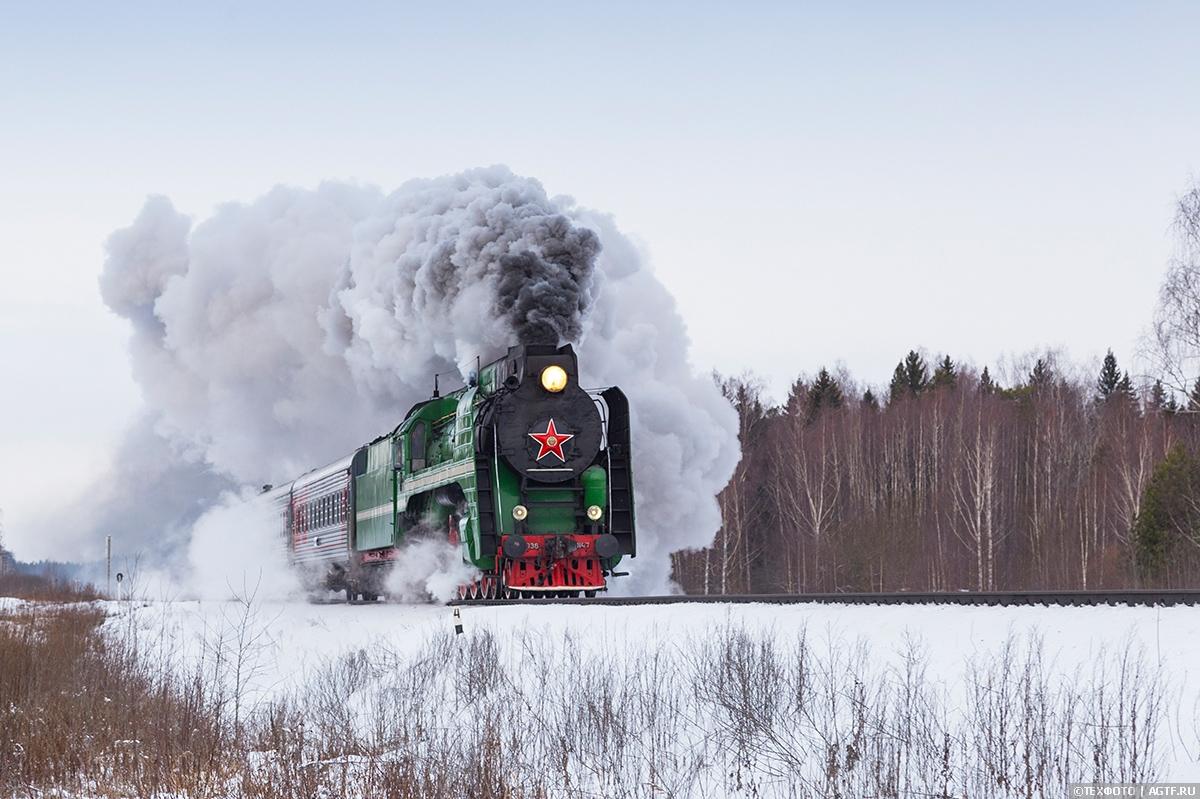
point(523, 469)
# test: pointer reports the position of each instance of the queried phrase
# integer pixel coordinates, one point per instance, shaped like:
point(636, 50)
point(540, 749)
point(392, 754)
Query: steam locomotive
point(524, 470)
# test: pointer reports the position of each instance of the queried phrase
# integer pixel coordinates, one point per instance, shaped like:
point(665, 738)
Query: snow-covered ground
point(298, 637)
point(695, 678)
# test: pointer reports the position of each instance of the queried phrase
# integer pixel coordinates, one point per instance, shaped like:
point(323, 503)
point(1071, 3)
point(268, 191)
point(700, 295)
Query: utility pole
point(108, 565)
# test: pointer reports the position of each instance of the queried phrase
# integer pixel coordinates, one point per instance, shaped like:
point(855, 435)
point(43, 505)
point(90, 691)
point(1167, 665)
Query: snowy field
point(295, 640)
point(714, 699)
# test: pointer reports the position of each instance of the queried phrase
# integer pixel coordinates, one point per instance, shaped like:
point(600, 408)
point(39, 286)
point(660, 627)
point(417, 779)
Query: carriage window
point(416, 446)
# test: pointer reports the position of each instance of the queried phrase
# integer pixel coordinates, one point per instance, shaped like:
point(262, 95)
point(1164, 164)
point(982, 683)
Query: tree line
point(951, 480)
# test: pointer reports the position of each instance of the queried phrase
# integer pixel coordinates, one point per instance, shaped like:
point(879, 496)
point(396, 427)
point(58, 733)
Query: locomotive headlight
point(594, 512)
point(554, 379)
point(520, 512)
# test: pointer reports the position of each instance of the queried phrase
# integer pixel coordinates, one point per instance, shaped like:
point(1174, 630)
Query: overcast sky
point(816, 184)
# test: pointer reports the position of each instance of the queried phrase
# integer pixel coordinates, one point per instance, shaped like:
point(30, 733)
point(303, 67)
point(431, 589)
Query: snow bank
point(710, 697)
point(301, 636)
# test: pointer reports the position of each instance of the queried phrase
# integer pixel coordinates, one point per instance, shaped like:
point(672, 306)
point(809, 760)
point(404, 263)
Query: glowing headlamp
point(554, 379)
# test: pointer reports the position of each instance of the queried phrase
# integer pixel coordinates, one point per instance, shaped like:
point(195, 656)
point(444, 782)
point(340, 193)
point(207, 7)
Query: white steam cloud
point(278, 335)
point(428, 569)
point(236, 551)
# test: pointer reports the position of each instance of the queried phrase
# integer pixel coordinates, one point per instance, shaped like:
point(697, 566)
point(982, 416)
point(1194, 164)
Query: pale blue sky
point(814, 183)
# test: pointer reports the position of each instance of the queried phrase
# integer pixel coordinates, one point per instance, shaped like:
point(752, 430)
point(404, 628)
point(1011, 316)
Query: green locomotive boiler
point(527, 472)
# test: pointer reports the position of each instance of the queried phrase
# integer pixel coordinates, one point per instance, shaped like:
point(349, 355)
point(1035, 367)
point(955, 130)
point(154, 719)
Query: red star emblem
point(551, 441)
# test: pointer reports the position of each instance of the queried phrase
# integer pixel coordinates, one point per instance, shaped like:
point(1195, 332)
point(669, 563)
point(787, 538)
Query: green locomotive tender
point(526, 471)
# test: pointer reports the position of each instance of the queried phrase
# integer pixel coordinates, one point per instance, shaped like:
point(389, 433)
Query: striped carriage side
point(320, 517)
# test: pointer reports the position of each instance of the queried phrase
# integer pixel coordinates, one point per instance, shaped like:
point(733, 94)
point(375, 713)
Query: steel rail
point(1134, 597)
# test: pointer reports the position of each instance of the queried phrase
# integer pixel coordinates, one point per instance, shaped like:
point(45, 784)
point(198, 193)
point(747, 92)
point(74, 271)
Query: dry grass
point(37, 588)
point(83, 713)
point(530, 714)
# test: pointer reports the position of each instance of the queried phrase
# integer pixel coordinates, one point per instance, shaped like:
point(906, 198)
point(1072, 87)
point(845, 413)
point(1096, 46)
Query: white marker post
point(108, 566)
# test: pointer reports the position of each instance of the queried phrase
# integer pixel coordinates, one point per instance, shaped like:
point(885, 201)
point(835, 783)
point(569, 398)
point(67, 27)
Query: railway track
point(1142, 598)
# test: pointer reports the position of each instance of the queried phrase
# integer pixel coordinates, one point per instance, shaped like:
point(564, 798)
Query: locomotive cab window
point(416, 446)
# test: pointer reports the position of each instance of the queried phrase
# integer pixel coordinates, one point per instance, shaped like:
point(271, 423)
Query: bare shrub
point(539, 713)
point(734, 713)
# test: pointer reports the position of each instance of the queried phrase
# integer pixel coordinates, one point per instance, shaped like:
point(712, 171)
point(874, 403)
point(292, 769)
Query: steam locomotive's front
point(561, 479)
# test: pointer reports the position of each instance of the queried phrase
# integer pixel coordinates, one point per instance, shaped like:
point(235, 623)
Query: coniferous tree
point(1172, 404)
point(945, 375)
point(1168, 510)
point(869, 400)
point(1194, 396)
point(916, 373)
point(797, 398)
point(898, 388)
point(824, 393)
point(1109, 378)
point(910, 378)
point(1158, 397)
point(986, 384)
point(1126, 391)
point(1040, 377)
